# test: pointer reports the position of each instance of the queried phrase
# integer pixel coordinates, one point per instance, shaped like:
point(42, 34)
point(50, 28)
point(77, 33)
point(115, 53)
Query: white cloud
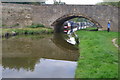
point(49, 2)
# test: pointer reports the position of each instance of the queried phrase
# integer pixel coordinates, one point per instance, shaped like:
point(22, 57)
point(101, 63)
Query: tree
point(58, 2)
point(111, 0)
point(116, 4)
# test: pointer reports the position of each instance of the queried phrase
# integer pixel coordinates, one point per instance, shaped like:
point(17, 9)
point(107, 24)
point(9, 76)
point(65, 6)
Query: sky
point(84, 2)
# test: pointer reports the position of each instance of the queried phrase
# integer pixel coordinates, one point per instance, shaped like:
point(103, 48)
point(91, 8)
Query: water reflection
point(47, 68)
point(42, 48)
point(24, 55)
point(18, 63)
point(60, 41)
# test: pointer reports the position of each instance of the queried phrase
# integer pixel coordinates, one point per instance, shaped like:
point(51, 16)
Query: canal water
point(38, 56)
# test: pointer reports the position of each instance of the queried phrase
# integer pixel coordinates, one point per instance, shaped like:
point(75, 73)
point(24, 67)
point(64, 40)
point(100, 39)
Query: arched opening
point(58, 24)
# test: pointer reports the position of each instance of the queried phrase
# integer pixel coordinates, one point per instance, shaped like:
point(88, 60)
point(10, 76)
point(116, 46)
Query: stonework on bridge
point(55, 15)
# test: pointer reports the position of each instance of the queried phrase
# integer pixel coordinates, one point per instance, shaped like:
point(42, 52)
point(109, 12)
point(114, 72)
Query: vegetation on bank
point(32, 29)
point(27, 31)
point(98, 56)
point(36, 26)
point(29, 26)
point(116, 4)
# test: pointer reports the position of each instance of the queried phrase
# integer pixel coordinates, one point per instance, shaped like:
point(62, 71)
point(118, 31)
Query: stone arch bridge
point(56, 15)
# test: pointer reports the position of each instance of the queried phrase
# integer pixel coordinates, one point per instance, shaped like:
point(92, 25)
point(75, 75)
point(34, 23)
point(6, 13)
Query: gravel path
point(114, 42)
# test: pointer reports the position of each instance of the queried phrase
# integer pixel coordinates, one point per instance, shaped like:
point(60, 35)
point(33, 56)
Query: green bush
point(116, 4)
point(36, 26)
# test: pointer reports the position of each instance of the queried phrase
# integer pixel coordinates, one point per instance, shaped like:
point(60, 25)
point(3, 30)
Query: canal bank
point(98, 56)
point(25, 31)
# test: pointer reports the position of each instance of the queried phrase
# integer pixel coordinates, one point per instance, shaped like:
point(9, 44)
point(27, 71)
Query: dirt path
point(114, 42)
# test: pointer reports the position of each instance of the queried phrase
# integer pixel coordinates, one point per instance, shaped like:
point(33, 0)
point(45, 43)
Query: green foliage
point(15, 25)
point(36, 26)
point(116, 4)
point(110, 0)
point(90, 29)
point(98, 56)
point(6, 26)
point(80, 20)
point(2, 25)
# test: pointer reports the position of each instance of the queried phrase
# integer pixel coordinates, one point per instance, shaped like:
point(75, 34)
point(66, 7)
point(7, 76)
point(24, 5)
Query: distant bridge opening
point(58, 24)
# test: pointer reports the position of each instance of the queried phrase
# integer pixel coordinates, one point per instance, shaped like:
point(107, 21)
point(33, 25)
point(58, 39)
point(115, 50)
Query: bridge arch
point(58, 23)
point(55, 14)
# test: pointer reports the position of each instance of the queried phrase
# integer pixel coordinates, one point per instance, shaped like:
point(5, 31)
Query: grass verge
point(98, 56)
